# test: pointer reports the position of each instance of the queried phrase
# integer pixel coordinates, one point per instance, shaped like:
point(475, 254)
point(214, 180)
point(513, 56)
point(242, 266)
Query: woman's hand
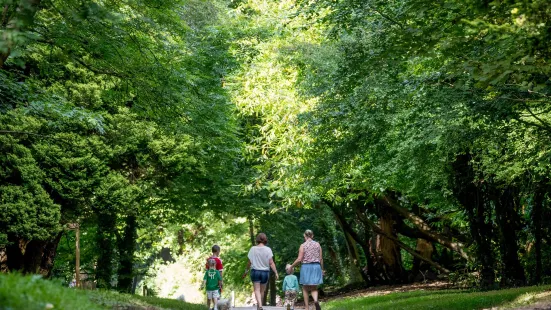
point(288, 267)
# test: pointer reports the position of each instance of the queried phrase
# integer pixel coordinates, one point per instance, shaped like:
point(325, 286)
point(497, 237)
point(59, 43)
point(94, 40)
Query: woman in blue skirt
point(311, 270)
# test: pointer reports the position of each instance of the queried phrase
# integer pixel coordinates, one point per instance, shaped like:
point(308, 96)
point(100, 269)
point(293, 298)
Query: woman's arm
point(247, 268)
point(300, 256)
point(272, 264)
point(321, 262)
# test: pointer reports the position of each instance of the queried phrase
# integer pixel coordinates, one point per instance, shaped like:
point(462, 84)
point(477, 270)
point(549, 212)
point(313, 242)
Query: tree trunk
point(427, 232)
point(3, 260)
point(48, 256)
point(180, 242)
point(15, 250)
point(251, 232)
point(379, 231)
point(470, 196)
point(106, 222)
point(127, 246)
point(425, 249)
point(335, 260)
point(512, 273)
point(389, 250)
point(537, 230)
point(356, 274)
point(273, 288)
point(30, 257)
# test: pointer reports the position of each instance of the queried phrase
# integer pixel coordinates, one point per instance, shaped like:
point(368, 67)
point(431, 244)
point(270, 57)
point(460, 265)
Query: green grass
point(449, 300)
point(32, 292)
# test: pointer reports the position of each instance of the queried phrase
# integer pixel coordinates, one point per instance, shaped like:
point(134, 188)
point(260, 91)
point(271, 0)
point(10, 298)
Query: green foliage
point(32, 292)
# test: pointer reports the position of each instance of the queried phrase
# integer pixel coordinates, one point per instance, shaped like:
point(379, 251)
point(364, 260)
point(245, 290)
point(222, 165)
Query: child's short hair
point(212, 263)
point(215, 248)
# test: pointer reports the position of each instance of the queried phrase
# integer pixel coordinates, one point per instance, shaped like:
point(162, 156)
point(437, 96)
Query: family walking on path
point(311, 272)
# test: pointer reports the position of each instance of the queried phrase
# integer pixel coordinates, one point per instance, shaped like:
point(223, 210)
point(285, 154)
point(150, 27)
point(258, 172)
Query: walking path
point(254, 308)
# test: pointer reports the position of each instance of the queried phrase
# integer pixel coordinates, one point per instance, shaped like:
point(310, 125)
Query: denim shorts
point(261, 276)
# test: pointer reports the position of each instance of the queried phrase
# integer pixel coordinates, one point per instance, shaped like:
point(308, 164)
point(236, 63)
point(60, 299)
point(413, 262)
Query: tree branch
point(411, 251)
point(423, 227)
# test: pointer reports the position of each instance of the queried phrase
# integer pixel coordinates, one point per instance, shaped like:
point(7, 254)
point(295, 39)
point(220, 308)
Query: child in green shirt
point(213, 283)
point(290, 287)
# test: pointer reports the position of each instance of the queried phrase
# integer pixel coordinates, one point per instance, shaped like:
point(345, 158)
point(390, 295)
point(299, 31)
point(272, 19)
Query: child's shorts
point(213, 294)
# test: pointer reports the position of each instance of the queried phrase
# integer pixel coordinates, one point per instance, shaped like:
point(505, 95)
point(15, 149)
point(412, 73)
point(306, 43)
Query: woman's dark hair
point(261, 238)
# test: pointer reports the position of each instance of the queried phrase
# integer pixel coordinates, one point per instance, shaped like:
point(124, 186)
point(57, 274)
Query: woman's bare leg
point(305, 295)
point(314, 293)
point(262, 291)
point(258, 294)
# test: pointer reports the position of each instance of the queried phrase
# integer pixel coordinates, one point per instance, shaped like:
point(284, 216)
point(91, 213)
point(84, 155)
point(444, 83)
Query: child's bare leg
point(208, 302)
point(215, 301)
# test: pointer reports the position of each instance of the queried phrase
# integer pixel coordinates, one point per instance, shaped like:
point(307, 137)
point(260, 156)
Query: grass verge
point(34, 293)
point(448, 299)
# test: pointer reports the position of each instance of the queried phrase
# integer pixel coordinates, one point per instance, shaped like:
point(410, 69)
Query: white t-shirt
point(260, 257)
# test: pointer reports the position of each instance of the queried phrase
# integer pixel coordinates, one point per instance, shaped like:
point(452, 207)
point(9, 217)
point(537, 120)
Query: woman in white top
point(260, 261)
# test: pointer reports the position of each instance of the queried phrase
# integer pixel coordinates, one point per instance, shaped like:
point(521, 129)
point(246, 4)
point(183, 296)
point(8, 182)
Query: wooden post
point(76, 228)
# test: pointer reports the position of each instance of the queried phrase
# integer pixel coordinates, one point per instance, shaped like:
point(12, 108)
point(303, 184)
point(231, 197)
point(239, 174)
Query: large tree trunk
point(379, 231)
point(48, 256)
point(31, 257)
point(3, 260)
point(424, 229)
point(127, 246)
point(15, 250)
point(425, 249)
point(537, 230)
point(470, 196)
point(356, 274)
point(512, 273)
point(106, 222)
point(389, 251)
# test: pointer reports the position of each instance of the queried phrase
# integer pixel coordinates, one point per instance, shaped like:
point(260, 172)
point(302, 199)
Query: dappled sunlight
point(173, 280)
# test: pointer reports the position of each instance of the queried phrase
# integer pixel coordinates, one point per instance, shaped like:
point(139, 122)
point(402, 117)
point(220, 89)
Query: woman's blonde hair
point(308, 233)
